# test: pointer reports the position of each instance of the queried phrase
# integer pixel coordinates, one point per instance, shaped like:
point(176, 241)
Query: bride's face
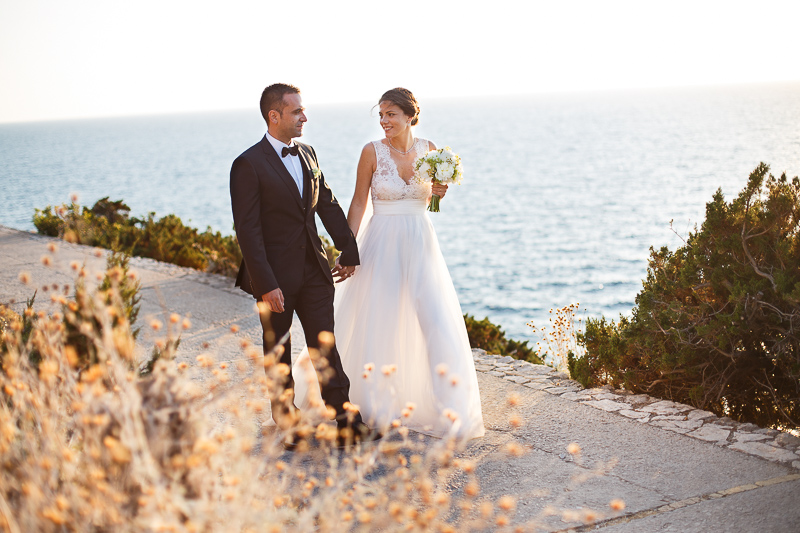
point(393, 120)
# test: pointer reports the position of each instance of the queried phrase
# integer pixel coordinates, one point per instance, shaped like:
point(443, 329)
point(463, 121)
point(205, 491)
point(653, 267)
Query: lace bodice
point(386, 181)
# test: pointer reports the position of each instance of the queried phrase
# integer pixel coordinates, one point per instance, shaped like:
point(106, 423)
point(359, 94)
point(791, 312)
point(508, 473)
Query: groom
point(276, 188)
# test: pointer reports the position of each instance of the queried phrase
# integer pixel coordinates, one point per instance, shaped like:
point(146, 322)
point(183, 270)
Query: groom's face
point(289, 122)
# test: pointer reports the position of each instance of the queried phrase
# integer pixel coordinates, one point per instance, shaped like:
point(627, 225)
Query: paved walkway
point(678, 469)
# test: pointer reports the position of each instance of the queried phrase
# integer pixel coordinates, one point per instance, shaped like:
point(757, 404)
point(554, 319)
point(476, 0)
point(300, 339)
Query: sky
point(63, 59)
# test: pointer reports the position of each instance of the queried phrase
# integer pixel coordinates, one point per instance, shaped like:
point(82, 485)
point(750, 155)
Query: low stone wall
point(725, 432)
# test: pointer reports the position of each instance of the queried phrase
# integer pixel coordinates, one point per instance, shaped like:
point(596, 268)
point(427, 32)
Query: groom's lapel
point(275, 161)
point(309, 184)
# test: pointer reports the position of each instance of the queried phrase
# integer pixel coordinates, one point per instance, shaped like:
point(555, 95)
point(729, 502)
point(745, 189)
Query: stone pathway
point(725, 432)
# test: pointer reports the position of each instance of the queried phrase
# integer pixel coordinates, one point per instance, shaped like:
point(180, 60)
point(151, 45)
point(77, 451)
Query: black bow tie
point(294, 150)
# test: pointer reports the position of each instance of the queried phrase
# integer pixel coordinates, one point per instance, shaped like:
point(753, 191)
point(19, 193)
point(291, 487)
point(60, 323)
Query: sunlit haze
point(94, 58)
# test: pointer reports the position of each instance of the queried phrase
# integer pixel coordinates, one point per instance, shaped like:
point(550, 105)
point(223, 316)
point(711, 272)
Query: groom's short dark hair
point(272, 98)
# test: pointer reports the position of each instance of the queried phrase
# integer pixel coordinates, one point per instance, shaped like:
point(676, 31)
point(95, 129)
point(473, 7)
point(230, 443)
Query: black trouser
point(313, 303)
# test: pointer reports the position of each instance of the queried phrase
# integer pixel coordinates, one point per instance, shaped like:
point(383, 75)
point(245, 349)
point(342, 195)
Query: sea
point(563, 194)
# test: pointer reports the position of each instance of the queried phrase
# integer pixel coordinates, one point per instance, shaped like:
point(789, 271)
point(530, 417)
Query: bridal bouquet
point(440, 166)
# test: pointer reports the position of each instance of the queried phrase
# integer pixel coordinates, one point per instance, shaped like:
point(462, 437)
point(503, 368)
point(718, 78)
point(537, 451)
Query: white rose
point(425, 170)
point(444, 171)
point(447, 153)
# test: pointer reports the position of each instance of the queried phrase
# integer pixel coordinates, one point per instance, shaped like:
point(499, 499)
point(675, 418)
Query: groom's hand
point(341, 272)
point(274, 300)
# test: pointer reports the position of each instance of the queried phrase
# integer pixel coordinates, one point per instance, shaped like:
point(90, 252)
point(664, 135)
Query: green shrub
point(112, 307)
point(108, 225)
point(717, 323)
point(48, 222)
point(121, 283)
point(12, 323)
point(488, 336)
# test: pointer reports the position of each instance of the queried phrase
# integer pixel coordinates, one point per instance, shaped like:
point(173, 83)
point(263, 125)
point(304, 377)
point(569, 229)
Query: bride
point(398, 323)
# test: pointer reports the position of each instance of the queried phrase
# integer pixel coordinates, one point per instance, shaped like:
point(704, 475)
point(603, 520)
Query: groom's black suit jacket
point(274, 225)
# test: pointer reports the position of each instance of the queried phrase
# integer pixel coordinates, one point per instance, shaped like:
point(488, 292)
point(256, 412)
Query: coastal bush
point(488, 336)
point(86, 313)
point(108, 224)
point(717, 323)
point(103, 448)
point(22, 324)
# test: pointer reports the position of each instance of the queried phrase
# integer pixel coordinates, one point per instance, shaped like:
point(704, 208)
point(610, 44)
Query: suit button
point(303, 247)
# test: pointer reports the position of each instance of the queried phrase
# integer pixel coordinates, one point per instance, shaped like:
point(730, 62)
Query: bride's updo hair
point(403, 99)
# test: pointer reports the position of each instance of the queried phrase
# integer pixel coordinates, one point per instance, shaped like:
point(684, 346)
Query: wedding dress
point(398, 324)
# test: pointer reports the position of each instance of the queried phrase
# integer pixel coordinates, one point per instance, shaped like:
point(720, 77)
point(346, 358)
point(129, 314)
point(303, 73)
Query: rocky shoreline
point(770, 444)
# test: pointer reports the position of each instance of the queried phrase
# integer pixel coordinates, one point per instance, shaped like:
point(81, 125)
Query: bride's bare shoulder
point(368, 151)
point(428, 145)
point(369, 158)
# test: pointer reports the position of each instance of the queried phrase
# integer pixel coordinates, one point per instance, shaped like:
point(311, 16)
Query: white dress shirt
point(291, 162)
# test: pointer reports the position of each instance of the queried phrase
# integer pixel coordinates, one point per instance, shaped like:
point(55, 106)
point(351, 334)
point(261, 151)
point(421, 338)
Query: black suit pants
point(313, 303)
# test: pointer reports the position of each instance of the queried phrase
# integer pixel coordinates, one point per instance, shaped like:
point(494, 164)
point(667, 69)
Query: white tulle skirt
point(400, 331)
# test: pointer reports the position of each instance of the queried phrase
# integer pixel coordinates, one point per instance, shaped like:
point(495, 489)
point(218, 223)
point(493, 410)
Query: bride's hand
point(439, 189)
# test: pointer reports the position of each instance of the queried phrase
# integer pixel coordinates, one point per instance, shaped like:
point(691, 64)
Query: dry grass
point(560, 337)
point(101, 448)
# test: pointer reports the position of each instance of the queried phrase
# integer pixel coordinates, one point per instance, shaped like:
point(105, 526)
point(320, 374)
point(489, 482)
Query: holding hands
point(341, 272)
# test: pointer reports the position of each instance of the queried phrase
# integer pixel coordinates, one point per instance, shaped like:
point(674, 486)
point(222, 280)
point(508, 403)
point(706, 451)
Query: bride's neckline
point(388, 144)
point(393, 147)
point(394, 163)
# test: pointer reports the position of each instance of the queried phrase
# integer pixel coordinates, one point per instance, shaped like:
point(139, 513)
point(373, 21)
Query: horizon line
point(643, 88)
